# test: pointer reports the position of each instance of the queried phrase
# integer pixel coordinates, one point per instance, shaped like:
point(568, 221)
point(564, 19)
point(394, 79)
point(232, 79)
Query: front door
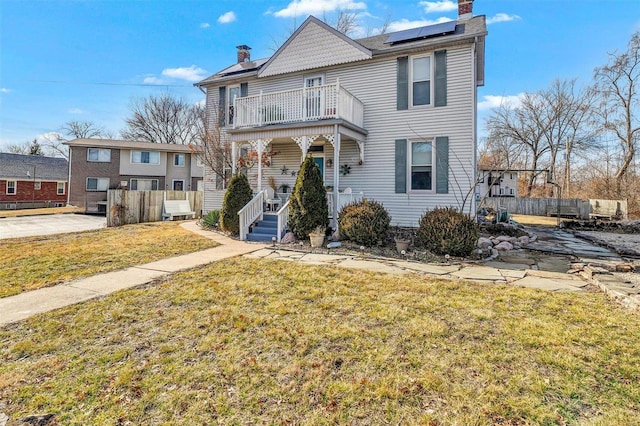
point(234, 92)
point(320, 162)
point(178, 185)
point(313, 104)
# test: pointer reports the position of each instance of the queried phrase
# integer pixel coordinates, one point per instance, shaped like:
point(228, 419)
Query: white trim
point(98, 186)
point(231, 103)
point(58, 188)
point(15, 187)
point(431, 80)
point(99, 150)
point(141, 162)
point(37, 185)
point(410, 142)
point(184, 160)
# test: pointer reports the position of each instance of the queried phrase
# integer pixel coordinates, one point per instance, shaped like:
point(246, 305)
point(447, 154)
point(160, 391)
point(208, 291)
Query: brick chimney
point(465, 9)
point(243, 53)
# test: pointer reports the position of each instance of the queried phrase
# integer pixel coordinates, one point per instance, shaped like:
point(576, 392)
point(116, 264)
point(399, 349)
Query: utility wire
point(95, 83)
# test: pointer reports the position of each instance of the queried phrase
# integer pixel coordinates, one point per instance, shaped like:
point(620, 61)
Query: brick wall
point(81, 169)
point(25, 192)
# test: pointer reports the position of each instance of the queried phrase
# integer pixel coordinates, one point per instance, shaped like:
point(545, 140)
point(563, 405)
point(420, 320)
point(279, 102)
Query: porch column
point(234, 157)
point(304, 142)
point(335, 141)
point(259, 145)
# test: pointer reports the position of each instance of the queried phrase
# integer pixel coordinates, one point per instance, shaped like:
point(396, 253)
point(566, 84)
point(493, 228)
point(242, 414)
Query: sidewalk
point(23, 305)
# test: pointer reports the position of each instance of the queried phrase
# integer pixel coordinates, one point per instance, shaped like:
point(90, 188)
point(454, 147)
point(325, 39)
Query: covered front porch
point(336, 146)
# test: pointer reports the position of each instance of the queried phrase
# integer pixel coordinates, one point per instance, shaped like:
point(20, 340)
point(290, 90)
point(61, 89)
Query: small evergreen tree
point(238, 194)
point(308, 207)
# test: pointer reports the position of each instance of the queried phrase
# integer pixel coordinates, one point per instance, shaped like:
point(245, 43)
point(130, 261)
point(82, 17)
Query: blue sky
point(88, 59)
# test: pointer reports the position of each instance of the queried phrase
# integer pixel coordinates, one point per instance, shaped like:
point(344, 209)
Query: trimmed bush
point(212, 218)
point(238, 194)
point(448, 231)
point(365, 222)
point(308, 207)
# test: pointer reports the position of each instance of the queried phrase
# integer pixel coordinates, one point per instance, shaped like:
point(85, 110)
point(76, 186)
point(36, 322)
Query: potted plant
point(402, 238)
point(317, 236)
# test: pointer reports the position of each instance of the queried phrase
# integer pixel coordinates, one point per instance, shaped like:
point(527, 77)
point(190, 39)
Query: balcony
point(330, 101)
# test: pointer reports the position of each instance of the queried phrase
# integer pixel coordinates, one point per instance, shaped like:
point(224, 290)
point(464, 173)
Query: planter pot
point(402, 245)
point(317, 240)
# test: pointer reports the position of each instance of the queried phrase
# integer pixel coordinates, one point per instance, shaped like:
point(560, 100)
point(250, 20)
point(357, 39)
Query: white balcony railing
point(298, 105)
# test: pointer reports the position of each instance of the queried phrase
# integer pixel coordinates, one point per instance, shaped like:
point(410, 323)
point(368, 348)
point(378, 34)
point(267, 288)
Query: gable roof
point(313, 45)
point(16, 166)
point(300, 54)
point(121, 144)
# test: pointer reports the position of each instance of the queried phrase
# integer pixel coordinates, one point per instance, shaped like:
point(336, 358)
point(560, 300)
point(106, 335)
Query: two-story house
point(498, 183)
point(96, 165)
point(391, 117)
point(32, 181)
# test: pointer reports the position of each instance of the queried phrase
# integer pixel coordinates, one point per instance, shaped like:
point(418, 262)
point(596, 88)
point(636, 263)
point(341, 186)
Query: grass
point(36, 262)
point(35, 212)
point(283, 343)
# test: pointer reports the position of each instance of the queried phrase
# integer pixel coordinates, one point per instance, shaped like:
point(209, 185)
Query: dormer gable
point(313, 45)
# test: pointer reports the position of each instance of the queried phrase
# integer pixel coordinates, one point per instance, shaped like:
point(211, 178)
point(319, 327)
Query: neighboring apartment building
point(392, 117)
point(497, 183)
point(97, 165)
point(32, 181)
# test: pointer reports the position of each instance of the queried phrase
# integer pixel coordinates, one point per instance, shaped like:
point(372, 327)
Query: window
point(501, 191)
point(99, 155)
point(199, 162)
point(144, 185)
point(178, 160)
point(60, 188)
point(145, 157)
point(421, 81)
point(421, 165)
point(11, 187)
point(97, 184)
point(37, 186)
point(512, 191)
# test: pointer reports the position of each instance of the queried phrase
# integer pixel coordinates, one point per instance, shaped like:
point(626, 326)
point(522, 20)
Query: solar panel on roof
point(422, 32)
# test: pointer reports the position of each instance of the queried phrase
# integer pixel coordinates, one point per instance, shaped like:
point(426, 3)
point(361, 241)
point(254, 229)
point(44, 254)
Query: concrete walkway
point(23, 305)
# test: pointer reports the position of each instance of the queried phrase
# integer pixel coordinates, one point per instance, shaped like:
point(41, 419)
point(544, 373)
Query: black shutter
point(441, 78)
point(244, 90)
point(402, 96)
point(222, 105)
point(442, 165)
point(401, 166)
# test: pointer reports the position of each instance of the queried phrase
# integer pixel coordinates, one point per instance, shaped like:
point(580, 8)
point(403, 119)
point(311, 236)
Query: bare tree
point(82, 129)
point(347, 22)
point(212, 146)
point(617, 85)
point(162, 119)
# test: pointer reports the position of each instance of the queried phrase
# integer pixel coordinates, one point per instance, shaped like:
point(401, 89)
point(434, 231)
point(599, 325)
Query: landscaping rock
point(288, 238)
point(38, 419)
point(3, 419)
point(524, 240)
point(484, 243)
point(502, 238)
point(504, 246)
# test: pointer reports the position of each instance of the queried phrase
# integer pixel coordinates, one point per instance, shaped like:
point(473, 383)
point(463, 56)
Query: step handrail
point(283, 218)
point(251, 212)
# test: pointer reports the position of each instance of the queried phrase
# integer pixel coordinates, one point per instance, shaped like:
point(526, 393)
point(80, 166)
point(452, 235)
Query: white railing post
point(251, 212)
point(283, 219)
point(260, 109)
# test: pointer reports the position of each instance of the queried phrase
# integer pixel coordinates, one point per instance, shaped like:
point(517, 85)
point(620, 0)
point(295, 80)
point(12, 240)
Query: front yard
point(267, 342)
point(36, 262)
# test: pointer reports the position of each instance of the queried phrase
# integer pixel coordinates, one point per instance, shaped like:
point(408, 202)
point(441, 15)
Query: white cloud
point(76, 111)
point(191, 73)
point(316, 7)
point(439, 6)
point(49, 137)
point(493, 101)
point(152, 79)
point(502, 17)
point(405, 24)
point(205, 25)
point(227, 18)
point(4, 90)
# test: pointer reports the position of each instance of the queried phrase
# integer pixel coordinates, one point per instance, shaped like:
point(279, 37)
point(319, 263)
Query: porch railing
point(250, 213)
point(343, 199)
point(298, 105)
point(283, 219)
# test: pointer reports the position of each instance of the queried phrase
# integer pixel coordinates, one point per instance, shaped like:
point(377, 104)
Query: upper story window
point(178, 160)
point(233, 93)
point(420, 77)
point(60, 188)
point(145, 157)
point(11, 187)
point(421, 161)
point(99, 155)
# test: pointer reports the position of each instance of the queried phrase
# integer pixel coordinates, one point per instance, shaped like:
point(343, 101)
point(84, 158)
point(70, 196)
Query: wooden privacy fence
point(584, 209)
point(125, 207)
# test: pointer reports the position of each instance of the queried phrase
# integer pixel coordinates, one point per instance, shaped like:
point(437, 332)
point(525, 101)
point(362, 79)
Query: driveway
point(31, 226)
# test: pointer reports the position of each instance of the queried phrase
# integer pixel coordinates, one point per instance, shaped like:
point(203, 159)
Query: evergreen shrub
point(308, 207)
point(448, 231)
point(238, 194)
point(365, 222)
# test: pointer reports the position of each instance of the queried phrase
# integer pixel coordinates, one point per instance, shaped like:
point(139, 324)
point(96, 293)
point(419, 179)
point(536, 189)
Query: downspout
point(69, 178)
point(474, 126)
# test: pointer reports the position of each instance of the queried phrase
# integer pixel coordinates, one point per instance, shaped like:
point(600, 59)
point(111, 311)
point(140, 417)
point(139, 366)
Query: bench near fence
point(565, 211)
point(177, 208)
